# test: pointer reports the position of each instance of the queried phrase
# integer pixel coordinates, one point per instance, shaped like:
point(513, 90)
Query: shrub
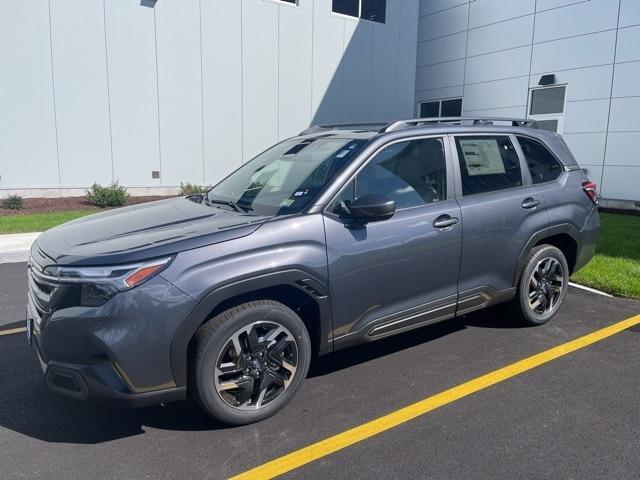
point(113, 195)
point(12, 202)
point(187, 189)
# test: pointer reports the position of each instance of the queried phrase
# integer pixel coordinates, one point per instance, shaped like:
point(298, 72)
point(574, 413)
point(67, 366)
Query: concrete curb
point(15, 246)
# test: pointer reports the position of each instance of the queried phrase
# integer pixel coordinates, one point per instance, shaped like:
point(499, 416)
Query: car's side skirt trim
point(410, 322)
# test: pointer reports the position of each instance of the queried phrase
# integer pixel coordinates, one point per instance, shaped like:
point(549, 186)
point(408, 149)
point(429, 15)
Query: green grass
point(37, 222)
point(615, 268)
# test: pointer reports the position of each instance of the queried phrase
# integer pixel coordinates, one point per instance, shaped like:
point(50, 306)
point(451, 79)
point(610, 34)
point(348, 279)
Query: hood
point(141, 232)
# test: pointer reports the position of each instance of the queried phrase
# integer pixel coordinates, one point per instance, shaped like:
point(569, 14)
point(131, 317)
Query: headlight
point(99, 284)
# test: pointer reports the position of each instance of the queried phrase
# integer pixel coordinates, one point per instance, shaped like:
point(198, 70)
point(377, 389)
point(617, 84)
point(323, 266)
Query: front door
point(401, 273)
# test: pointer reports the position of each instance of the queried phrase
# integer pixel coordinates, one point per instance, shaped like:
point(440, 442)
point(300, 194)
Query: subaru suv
point(342, 235)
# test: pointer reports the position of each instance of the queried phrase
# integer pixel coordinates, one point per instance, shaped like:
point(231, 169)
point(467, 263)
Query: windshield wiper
point(236, 206)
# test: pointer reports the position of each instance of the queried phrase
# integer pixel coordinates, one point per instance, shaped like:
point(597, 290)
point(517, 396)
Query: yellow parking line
point(357, 434)
point(11, 331)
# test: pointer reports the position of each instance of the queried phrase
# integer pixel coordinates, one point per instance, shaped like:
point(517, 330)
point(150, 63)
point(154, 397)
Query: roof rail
point(417, 122)
point(343, 126)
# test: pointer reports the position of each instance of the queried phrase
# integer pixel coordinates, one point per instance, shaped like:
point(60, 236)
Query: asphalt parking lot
point(577, 416)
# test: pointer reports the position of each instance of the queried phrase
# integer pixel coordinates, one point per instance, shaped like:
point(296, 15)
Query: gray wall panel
point(27, 121)
point(588, 148)
point(484, 12)
point(356, 71)
point(624, 114)
point(444, 49)
point(501, 36)
point(498, 65)
point(577, 19)
point(498, 94)
point(621, 183)
point(221, 88)
point(626, 81)
point(133, 91)
point(622, 148)
point(433, 6)
point(445, 22)
point(180, 90)
point(260, 75)
point(328, 41)
point(384, 80)
point(295, 47)
point(81, 92)
point(576, 52)
point(407, 59)
point(629, 13)
point(440, 75)
point(628, 41)
point(586, 116)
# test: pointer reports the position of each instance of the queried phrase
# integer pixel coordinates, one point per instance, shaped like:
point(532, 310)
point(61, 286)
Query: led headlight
point(98, 284)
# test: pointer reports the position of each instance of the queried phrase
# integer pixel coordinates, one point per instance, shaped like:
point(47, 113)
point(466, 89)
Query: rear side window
point(542, 164)
point(488, 164)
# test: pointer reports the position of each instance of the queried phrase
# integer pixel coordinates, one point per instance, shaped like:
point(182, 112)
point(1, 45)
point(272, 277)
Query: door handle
point(530, 203)
point(445, 221)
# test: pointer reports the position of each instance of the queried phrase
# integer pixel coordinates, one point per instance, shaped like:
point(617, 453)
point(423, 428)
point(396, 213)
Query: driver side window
point(412, 173)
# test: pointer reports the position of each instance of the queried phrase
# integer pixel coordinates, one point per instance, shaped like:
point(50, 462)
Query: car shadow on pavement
point(27, 407)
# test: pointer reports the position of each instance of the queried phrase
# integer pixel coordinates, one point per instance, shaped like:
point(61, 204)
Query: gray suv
point(342, 235)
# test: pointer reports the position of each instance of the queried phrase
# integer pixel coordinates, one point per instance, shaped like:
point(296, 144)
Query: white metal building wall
point(490, 52)
point(101, 90)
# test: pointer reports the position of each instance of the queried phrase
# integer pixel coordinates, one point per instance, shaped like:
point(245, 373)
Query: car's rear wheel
point(543, 285)
point(249, 361)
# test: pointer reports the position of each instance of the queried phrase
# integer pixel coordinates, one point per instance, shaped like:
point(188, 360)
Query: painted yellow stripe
point(357, 434)
point(11, 331)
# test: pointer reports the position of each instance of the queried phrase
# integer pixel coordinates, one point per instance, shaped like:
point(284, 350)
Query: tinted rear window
point(542, 164)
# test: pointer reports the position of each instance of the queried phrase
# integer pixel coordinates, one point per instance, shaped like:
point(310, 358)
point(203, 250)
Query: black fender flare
point(562, 228)
point(303, 281)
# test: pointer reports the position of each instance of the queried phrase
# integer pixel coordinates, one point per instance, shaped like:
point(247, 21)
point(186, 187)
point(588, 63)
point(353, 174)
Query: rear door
point(500, 211)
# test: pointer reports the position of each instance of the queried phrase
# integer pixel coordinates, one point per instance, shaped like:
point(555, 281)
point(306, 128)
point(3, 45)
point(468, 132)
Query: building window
point(546, 107)
point(441, 108)
point(373, 10)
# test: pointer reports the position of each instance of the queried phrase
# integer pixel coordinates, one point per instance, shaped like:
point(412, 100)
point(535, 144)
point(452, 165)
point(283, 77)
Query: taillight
point(591, 189)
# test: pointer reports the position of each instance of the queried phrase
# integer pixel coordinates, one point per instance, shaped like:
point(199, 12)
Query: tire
point(274, 359)
point(548, 290)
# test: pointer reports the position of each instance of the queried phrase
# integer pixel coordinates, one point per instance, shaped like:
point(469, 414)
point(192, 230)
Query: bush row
point(113, 195)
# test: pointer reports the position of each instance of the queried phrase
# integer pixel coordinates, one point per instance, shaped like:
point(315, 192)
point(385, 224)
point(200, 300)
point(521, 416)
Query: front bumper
point(92, 383)
point(118, 353)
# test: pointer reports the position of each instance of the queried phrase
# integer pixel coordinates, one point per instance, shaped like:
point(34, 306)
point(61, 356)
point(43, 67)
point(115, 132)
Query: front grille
point(46, 295)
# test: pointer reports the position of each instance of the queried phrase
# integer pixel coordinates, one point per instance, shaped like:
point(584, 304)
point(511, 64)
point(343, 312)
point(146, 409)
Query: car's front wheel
point(249, 361)
point(543, 285)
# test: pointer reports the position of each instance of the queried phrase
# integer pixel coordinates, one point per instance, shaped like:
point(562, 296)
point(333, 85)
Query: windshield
point(286, 178)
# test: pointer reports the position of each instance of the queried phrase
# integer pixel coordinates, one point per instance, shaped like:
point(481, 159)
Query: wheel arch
point(300, 291)
point(563, 236)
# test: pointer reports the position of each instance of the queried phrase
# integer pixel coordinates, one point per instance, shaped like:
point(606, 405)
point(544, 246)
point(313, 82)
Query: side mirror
point(372, 208)
point(196, 198)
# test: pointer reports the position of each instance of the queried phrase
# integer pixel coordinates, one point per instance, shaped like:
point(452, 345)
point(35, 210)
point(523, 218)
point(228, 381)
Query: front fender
point(283, 251)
